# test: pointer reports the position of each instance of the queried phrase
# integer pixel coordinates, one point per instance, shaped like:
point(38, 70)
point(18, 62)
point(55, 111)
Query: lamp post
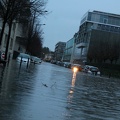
point(38, 25)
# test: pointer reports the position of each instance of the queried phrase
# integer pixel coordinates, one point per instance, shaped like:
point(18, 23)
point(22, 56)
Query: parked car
point(77, 66)
point(2, 56)
point(23, 57)
point(91, 70)
point(58, 62)
point(67, 64)
point(53, 61)
point(35, 60)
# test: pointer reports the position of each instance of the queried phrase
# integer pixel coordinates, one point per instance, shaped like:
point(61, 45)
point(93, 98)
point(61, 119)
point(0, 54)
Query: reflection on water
point(73, 79)
point(67, 96)
point(94, 99)
point(15, 90)
point(73, 84)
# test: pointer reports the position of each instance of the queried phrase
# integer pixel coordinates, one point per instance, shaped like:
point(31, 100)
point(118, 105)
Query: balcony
point(81, 45)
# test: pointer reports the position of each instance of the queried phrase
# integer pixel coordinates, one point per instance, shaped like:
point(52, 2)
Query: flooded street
point(51, 92)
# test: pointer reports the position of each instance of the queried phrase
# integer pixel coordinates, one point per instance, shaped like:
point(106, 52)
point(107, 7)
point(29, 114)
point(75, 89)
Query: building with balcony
point(59, 50)
point(17, 36)
point(97, 32)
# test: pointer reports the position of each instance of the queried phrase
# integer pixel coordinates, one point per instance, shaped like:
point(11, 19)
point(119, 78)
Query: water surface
point(51, 92)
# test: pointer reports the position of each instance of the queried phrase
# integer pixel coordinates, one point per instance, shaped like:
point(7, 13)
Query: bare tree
point(33, 24)
point(13, 10)
point(35, 46)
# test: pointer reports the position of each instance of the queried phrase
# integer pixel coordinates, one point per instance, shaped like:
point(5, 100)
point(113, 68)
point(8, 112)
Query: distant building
point(68, 50)
point(97, 30)
point(59, 50)
point(70, 53)
point(48, 57)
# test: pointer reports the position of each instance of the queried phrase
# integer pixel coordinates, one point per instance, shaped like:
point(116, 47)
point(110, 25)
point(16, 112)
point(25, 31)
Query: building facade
point(68, 50)
point(18, 34)
point(96, 30)
point(59, 50)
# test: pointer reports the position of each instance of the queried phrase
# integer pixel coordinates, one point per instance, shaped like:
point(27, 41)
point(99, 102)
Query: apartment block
point(98, 32)
point(59, 50)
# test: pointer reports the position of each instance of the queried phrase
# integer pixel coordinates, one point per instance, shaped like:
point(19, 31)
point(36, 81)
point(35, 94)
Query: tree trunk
point(8, 40)
point(2, 31)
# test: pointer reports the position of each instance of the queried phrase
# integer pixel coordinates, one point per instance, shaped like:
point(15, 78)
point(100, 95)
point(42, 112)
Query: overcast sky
point(64, 18)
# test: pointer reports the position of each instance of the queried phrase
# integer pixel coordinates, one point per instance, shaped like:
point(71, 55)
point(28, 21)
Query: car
point(23, 57)
point(35, 60)
point(58, 62)
point(78, 66)
point(2, 56)
point(53, 61)
point(67, 64)
point(91, 70)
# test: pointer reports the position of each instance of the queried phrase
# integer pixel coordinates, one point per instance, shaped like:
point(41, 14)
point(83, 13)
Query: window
point(5, 42)
point(112, 28)
point(105, 20)
point(11, 43)
point(14, 25)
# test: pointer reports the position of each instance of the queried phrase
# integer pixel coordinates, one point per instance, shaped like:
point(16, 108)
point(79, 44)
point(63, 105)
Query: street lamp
point(38, 25)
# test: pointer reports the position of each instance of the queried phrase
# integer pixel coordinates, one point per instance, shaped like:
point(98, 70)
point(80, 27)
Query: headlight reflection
point(73, 83)
point(73, 79)
point(75, 70)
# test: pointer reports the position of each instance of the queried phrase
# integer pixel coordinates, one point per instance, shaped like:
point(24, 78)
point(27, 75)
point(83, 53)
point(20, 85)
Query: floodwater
point(51, 92)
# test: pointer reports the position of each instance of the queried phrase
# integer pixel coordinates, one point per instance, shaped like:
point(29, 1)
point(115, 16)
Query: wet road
point(51, 92)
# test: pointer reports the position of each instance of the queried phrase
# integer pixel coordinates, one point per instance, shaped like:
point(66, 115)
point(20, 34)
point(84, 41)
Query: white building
point(16, 33)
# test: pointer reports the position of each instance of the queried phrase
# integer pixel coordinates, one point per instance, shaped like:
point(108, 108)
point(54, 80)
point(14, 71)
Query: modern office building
point(59, 50)
point(98, 32)
point(69, 50)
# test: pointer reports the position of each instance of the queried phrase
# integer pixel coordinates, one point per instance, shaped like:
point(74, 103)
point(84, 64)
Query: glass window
point(113, 21)
point(11, 43)
point(93, 17)
point(116, 29)
point(111, 28)
point(5, 42)
point(107, 27)
point(99, 26)
point(89, 16)
point(105, 20)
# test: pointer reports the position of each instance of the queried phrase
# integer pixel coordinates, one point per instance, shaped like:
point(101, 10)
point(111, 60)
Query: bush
point(110, 70)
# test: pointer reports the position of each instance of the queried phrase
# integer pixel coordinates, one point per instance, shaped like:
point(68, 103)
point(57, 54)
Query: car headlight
point(75, 69)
